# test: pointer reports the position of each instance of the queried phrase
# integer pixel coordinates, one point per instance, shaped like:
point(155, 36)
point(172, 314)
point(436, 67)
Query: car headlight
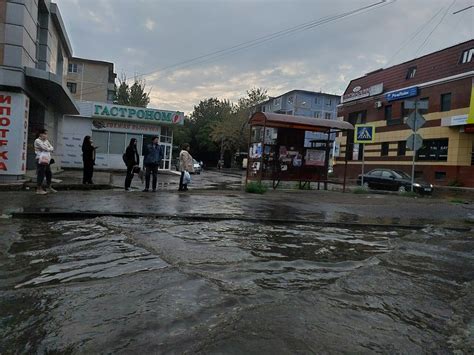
point(416, 184)
point(431, 185)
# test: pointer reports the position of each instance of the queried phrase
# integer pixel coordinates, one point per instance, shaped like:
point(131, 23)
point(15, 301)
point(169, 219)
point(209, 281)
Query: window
point(427, 100)
point(411, 73)
point(101, 141)
point(388, 112)
point(316, 101)
point(291, 99)
point(327, 115)
point(276, 102)
point(386, 174)
point(263, 108)
point(317, 114)
point(433, 149)
point(402, 148)
point(405, 111)
point(467, 55)
point(117, 143)
point(446, 102)
point(72, 68)
point(375, 173)
point(166, 135)
point(384, 151)
point(328, 102)
point(72, 87)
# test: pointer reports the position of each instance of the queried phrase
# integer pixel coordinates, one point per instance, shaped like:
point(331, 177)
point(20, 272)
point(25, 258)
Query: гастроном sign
point(128, 113)
point(401, 94)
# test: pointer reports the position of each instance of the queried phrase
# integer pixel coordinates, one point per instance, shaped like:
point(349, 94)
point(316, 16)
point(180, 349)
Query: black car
point(396, 180)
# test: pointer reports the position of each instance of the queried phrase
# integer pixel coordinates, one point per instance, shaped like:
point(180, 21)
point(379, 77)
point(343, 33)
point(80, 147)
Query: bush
point(255, 188)
point(455, 183)
point(360, 190)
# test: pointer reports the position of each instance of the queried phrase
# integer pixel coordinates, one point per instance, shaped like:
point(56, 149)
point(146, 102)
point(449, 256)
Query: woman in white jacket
point(185, 165)
point(43, 150)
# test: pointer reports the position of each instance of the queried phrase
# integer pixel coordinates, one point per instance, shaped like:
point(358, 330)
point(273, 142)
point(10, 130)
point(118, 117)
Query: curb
point(214, 218)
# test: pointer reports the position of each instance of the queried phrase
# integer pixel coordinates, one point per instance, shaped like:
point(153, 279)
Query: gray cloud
point(142, 36)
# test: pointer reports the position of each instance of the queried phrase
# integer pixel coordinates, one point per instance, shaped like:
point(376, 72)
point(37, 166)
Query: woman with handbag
point(132, 161)
point(88, 158)
point(186, 167)
point(43, 150)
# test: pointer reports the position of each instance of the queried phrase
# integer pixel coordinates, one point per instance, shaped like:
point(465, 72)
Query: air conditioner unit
point(378, 104)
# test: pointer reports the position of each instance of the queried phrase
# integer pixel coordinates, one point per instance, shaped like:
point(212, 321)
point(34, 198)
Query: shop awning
point(50, 85)
point(298, 122)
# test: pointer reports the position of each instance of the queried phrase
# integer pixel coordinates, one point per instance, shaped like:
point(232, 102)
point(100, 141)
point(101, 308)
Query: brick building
point(445, 80)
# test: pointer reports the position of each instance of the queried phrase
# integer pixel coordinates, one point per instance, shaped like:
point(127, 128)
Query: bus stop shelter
point(279, 149)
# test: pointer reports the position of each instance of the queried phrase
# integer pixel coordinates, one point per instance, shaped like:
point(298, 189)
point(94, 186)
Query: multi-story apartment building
point(304, 103)
point(91, 80)
point(34, 57)
point(444, 80)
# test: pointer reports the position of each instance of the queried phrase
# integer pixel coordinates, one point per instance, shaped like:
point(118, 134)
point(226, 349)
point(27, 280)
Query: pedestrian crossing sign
point(364, 133)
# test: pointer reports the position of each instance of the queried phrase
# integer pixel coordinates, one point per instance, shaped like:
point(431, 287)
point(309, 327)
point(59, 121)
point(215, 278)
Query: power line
point(418, 31)
point(420, 48)
point(266, 38)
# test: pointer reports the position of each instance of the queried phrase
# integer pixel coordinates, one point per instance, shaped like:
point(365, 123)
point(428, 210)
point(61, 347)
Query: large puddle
point(125, 285)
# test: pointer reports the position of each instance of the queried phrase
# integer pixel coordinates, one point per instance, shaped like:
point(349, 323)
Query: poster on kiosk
point(14, 110)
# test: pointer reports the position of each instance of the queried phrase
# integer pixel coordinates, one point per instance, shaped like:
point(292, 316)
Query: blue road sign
point(364, 133)
point(401, 94)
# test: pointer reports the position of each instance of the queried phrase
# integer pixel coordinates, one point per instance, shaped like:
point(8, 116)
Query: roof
point(430, 67)
point(298, 122)
point(93, 61)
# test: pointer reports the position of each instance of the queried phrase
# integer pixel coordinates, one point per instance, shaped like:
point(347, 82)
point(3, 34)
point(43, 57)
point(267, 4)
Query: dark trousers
point(182, 186)
point(151, 169)
point(43, 170)
point(88, 172)
point(129, 178)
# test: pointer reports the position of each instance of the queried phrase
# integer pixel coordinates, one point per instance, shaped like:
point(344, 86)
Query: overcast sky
point(143, 36)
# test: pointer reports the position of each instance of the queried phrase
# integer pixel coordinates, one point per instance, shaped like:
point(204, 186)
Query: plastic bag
point(187, 178)
point(44, 158)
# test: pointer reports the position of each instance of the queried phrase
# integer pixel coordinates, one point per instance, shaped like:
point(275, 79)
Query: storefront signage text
point(133, 113)
point(359, 93)
point(401, 94)
point(127, 127)
point(14, 110)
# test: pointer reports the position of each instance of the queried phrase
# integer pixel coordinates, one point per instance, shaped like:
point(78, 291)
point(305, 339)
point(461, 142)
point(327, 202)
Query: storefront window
point(101, 141)
point(166, 135)
point(117, 143)
point(433, 149)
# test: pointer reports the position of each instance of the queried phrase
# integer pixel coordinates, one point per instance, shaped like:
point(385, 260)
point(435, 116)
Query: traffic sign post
point(364, 133)
point(415, 121)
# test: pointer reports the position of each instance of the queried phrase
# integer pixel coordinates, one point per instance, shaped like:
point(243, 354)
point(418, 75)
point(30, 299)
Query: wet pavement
point(128, 285)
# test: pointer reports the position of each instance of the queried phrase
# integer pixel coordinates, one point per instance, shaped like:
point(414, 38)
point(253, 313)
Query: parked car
point(396, 180)
point(197, 167)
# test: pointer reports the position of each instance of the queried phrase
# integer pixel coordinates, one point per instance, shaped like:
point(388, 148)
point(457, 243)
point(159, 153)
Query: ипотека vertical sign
point(14, 111)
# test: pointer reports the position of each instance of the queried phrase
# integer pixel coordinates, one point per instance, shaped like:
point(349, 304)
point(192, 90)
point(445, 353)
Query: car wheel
point(366, 185)
point(402, 189)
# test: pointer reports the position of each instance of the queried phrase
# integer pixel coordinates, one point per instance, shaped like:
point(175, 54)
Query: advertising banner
point(14, 110)
point(470, 117)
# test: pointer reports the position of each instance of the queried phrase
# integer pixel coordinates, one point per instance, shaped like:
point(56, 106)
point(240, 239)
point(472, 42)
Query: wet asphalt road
point(112, 285)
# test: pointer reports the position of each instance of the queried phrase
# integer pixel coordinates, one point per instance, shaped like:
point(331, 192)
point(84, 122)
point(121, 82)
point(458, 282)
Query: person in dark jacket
point(88, 159)
point(132, 160)
point(153, 155)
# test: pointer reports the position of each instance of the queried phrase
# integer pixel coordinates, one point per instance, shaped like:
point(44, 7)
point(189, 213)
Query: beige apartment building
point(91, 80)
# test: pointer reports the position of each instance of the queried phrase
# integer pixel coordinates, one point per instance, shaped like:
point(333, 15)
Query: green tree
point(205, 115)
point(134, 95)
point(232, 131)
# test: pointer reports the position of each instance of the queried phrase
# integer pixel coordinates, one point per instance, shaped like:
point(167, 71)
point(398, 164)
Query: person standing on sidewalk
point(88, 159)
point(153, 155)
point(43, 150)
point(132, 160)
point(185, 165)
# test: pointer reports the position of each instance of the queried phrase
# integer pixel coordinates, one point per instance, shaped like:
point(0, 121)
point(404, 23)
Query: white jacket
point(42, 146)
